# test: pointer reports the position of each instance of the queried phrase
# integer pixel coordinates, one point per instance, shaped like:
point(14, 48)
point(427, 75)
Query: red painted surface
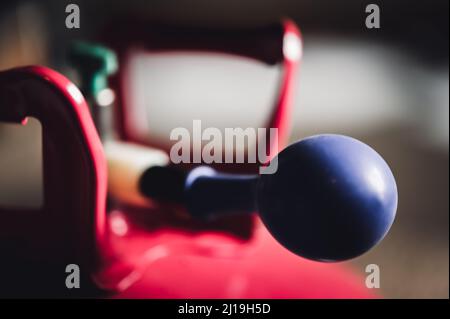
point(71, 225)
point(138, 253)
point(178, 264)
point(263, 44)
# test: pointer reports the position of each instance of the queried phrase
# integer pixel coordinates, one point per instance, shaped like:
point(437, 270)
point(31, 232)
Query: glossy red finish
point(71, 223)
point(155, 252)
point(205, 265)
point(283, 108)
point(268, 45)
point(265, 44)
point(131, 252)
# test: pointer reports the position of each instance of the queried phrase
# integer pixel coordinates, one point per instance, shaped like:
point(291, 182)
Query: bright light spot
point(292, 47)
point(129, 280)
point(156, 253)
point(105, 97)
point(199, 171)
point(119, 225)
point(376, 180)
point(75, 93)
point(237, 287)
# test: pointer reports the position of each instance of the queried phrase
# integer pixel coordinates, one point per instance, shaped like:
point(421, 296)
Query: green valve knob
point(94, 64)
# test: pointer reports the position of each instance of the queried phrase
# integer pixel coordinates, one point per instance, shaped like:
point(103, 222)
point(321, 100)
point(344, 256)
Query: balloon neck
point(210, 194)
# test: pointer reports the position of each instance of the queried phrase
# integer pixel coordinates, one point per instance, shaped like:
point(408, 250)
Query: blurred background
point(388, 87)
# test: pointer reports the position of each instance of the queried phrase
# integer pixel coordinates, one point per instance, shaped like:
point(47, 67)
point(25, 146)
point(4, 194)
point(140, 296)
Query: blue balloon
point(332, 198)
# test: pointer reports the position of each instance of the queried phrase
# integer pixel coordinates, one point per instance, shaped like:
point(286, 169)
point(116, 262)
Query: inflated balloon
point(331, 198)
